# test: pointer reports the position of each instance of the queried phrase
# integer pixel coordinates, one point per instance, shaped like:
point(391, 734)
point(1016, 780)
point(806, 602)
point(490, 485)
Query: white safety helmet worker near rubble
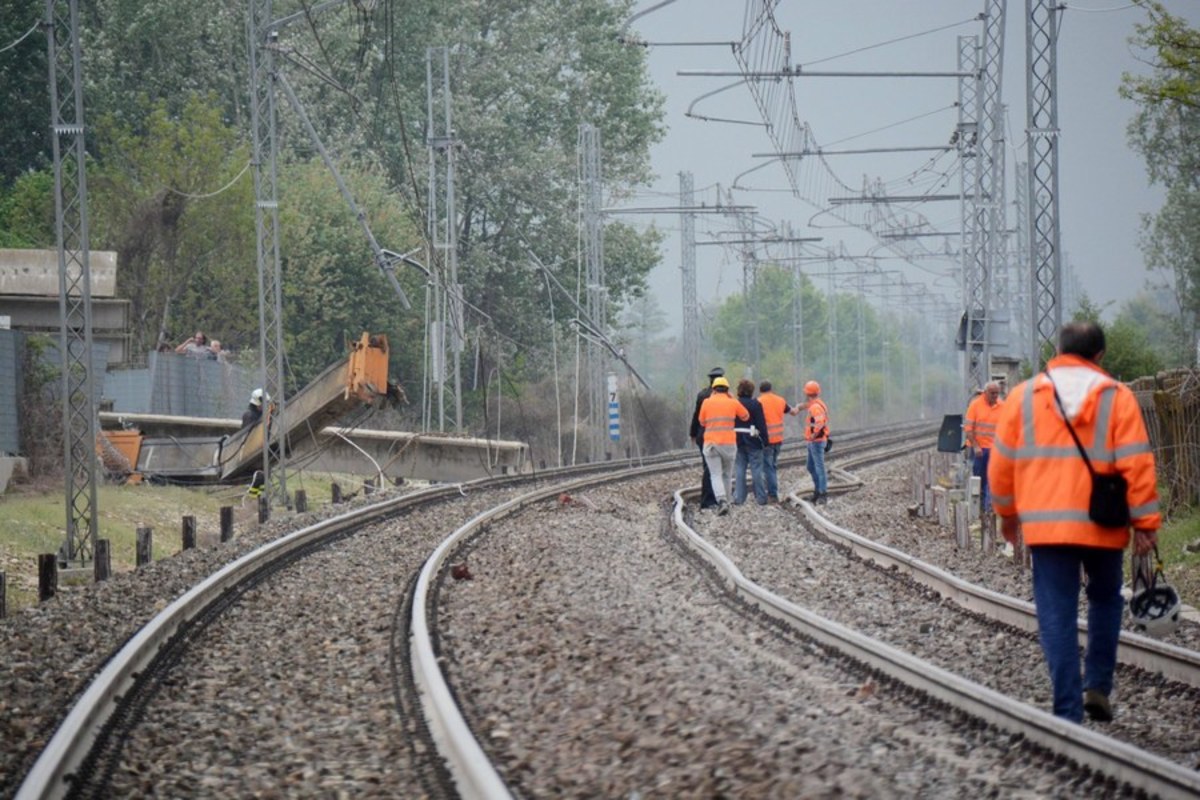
point(256, 397)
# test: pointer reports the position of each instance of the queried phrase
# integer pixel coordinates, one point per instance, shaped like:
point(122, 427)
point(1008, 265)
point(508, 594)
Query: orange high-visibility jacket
point(981, 421)
point(718, 415)
point(816, 429)
point(1037, 474)
point(774, 407)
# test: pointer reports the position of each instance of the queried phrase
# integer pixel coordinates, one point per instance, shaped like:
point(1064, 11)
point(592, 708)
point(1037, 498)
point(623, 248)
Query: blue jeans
point(771, 469)
point(979, 470)
point(816, 467)
point(1056, 595)
point(707, 498)
point(752, 457)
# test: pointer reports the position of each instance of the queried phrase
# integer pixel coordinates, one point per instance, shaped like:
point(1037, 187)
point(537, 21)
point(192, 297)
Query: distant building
point(29, 299)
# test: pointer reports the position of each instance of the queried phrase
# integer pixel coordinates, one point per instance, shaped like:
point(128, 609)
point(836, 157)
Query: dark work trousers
point(707, 498)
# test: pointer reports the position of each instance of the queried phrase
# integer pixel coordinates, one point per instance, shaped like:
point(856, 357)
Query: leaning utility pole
point(1041, 129)
point(262, 37)
point(74, 278)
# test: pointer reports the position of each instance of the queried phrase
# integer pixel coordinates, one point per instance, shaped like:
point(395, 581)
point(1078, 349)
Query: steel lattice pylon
point(966, 137)
point(74, 278)
point(798, 364)
point(981, 147)
point(750, 337)
point(1022, 304)
point(687, 268)
point(991, 186)
point(591, 233)
point(1041, 127)
point(261, 40)
point(448, 327)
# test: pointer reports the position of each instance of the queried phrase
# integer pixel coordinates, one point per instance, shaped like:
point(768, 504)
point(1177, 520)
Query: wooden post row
point(102, 564)
point(145, 545)
point(226, 523)
point(47, 576)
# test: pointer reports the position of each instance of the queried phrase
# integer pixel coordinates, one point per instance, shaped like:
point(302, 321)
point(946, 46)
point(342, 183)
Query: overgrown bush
point(39, 407)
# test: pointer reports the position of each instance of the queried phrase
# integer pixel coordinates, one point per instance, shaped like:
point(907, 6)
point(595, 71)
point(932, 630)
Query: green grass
point(33, 521)
point(1181, 567)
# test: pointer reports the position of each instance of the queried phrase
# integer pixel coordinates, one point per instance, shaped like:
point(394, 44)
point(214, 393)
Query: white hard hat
point(1155, 605)
point(256, 397)
point(1155, 611)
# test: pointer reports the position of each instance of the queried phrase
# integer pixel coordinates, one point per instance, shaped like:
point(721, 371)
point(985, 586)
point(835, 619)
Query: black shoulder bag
point(1109, 505)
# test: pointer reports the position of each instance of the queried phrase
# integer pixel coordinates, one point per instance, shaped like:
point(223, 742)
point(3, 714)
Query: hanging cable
point(21, 38)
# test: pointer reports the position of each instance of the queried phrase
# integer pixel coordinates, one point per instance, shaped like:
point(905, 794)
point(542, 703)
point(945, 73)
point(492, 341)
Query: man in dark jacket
point(707, 498)
point(751, 437)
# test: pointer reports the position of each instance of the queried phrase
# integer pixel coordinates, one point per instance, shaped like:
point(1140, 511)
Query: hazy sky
point(1102, 189)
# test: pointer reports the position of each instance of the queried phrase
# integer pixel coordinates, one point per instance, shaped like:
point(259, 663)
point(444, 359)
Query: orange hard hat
point(812, 388)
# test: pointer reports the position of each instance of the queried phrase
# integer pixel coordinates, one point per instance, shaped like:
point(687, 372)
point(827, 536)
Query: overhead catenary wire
point(207, 195)
point(20, 38)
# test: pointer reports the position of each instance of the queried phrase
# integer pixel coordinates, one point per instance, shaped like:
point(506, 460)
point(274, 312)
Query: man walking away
point(696, 432)
point(774, 408)
point(980, 429)
point(816, 433)
point(719, 414)
point(750, 440)
point(1042, 489)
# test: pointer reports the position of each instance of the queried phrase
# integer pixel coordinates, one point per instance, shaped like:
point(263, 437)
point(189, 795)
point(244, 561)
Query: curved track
point(406, 758)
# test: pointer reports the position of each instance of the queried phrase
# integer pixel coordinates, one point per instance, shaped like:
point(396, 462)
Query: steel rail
point(51, 774)
point(1173, 662)
point(82, 728)
point(1107, 756)
point(469, 766)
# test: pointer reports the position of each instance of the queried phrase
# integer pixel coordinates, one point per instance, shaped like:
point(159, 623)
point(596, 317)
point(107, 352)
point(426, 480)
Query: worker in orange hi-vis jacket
point(719, 415)
point(774, 408)
point(980, 430)
point(1042, 489)
point(816, 434)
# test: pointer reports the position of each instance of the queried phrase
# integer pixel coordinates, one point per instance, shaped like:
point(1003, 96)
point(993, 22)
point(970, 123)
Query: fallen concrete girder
point(354, 451)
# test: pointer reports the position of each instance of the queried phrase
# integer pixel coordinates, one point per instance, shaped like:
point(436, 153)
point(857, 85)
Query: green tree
point(25, 123)
point(524, 75)
point(333, 290)
point(1166, 131)
point(1164, 331)
point(174, 200)
point(1128, 353)
point(27, 211)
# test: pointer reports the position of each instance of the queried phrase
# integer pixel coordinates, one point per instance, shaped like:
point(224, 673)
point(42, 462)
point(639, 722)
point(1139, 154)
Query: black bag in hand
point(828, 445)
point(1109, 506)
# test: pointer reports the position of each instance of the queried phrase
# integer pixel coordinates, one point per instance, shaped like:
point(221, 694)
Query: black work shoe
point(724, 509)
point(823, 498)
point(1096, 706)
point(815, 497)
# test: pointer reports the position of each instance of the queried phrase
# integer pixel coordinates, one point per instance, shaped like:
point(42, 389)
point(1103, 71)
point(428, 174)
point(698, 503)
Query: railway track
point(241, 587)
